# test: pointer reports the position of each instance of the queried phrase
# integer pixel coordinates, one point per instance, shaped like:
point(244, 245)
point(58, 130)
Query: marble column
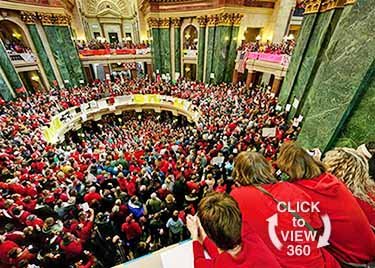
point(299, 51)
point(43, 57)
point(282, 19)
point(276, 85)
point(235, 19)
point(250, 78)
point(165, 45)
point(149, 70)
point(65, 53)
point(153, 24)
point(235, 77)
point(201, 46)
point(221, 48)
point(6, 91)
point(343, 77)
point(211, 28)
point(176, 22)
point(319, 40)
point(358, 128)
point(8, 69)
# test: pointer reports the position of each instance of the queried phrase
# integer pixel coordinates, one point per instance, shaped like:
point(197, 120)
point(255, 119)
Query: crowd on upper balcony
point(284, 47)
point(103, 44)
point(15, 45)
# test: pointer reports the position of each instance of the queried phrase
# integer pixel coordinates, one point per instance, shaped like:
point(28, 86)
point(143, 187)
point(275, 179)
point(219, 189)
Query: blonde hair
point(251, 168)
point(298, 163)
point(349, 166)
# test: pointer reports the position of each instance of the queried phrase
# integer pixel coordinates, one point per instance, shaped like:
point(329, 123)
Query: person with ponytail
point(352, 241)
point(258, 196)
point(349, 166)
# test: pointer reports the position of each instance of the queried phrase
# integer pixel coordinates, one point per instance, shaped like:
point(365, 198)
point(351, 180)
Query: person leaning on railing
point(217, 229)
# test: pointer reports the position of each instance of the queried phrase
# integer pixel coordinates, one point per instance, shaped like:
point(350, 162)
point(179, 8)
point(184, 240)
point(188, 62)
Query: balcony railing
point(22, 57)
point(190, 53)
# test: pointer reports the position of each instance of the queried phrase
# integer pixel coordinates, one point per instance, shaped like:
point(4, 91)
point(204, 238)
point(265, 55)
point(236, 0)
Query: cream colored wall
point(278, 23)
point(112, 28)
point(254, 18)
point(92, 22)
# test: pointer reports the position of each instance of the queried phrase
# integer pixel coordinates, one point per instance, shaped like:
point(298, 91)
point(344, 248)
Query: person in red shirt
point(351, 239)
point(5, 247)
point(71, 246)
point(254, 174)
point(349, 166)
point(92, 196)
point(131, 228)
point(217, 228)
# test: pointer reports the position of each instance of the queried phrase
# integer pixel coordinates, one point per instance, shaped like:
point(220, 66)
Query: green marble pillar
point(324, 27)
point(5, 90)
point(359, 128)
point(8, 69)
point(165, 50)
point(155, 46)
point(201, 50)
point(73, 54)
point(210, 52)
point(222, 43)
point(232, 54)
point(177, 49)
point(42, 54)
point(343, 76)
point(65, 53)
point(286, 92)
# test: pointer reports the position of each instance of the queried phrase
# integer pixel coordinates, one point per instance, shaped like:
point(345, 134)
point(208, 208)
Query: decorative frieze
point(153, 22)
point(202, 21)
point(28, 17)
point(212, 20)
point(312, 6)
point(164, 23)
point(45, 18)
point(331, 4)
point(236, 19)
point(176, 22)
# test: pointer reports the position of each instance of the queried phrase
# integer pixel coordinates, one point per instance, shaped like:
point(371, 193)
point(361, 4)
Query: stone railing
point(22, 57)
point(73, 118)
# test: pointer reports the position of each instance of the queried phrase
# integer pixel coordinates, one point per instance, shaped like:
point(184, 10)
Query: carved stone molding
point(236, 19)
point(28, 17)
point(312, 6)
point(202, 21)
point(350, 2)
point(331, 4)
point(153, 22)
point(164, 23)
point(45, 18)
point(176, 22)
point(212, 20)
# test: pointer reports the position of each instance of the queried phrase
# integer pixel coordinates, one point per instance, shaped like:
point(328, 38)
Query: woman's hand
point(192, 225)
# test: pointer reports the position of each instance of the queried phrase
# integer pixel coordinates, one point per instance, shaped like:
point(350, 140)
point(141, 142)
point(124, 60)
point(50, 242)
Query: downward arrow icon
point(323, 239)
point(272, 223)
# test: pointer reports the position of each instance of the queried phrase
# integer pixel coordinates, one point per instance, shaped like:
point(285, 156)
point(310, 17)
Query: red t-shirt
point(5, 247)
point(131, 230)
point(368, 210)
point(254, 254)
point(257, 207)
point(90, 197)
point(352, 238)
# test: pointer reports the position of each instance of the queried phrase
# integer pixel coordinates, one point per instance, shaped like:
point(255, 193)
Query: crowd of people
point(15, 45)
point(123, 190)
point(103, 44)
point(285, 47)
point(125, 185)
